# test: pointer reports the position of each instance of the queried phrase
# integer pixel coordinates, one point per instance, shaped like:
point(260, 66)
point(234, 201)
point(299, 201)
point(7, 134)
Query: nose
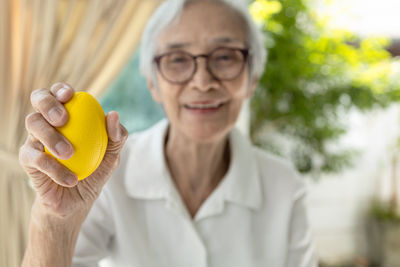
point(202, 79)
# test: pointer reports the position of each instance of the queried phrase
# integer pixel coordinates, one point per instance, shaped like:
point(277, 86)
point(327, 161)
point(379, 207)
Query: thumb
point(117, 133)
point(113, 127)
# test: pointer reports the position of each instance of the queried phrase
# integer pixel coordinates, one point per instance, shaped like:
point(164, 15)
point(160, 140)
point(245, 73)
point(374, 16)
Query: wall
point(339, 203)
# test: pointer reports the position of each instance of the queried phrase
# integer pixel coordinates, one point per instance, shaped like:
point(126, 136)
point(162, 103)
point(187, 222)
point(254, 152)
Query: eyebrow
point(226, 40)
point(177, 45)
point(220, 40)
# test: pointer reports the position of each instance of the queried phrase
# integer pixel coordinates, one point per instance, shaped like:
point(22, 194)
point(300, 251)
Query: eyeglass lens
point(223, 64)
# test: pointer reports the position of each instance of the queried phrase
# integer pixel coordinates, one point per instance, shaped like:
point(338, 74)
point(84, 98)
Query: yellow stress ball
point(86, 131)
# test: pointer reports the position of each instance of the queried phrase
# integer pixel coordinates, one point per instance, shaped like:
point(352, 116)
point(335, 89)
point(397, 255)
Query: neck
point(196, 168)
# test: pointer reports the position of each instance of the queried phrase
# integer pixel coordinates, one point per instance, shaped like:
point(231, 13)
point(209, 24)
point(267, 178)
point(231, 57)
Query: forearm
point(51, 240)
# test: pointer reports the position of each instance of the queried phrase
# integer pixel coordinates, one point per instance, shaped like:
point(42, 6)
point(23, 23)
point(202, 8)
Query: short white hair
point(169, 10)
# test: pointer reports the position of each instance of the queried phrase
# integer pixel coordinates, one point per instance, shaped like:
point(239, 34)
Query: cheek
point(239, 90)
point(240, 86)
point(235, 108)
point(169, 97)
point(239, 93)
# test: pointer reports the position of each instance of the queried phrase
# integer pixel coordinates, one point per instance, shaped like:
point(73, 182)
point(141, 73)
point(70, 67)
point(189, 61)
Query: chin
point(204, 135)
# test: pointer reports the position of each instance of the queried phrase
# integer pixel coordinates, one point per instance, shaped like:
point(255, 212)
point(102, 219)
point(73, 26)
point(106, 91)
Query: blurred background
point(328, 102)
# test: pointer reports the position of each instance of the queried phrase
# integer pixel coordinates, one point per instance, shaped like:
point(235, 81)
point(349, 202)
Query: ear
point(252, 87)
point(155, 93)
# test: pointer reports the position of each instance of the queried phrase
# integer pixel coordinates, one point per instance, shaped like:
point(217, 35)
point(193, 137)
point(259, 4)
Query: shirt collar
point(147, 175)
point(242, 180)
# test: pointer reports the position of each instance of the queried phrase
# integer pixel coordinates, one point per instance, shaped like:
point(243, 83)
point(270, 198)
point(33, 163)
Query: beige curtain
point(82, 42)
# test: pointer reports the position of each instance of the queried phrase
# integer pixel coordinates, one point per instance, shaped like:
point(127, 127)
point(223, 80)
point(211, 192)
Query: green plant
point(384, 212)
point(314, 76)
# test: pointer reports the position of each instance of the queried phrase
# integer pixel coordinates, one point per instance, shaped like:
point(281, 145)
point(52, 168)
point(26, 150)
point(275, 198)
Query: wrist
point(52, 238)
point(43, 217)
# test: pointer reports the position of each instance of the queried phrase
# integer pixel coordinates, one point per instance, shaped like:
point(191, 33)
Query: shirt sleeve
point(95, 236)
point(301, 248)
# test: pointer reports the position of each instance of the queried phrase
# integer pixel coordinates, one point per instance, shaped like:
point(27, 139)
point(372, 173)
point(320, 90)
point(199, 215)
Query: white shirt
point(255, 217)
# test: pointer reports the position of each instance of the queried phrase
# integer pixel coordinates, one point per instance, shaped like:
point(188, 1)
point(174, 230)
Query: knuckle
point(50, 136)
point(125, 134)
point(31, 119)
point(22, 154)
point(90, 191)
point(37, 125)
point(38, 94)
point(42, 161)
point(46, 102)
point(36, 144)
point(56, 84)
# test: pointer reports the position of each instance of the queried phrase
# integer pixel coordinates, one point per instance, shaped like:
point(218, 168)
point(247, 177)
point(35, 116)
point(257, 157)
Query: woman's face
point(202, 27)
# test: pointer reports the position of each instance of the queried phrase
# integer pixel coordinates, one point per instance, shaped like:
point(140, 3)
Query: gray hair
point(166, 13)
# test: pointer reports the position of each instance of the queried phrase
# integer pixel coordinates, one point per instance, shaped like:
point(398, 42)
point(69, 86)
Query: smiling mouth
point(204, 106)
point(204, 109)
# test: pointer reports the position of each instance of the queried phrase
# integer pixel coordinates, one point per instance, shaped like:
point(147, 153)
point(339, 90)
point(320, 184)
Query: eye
point(224, 57)
point(178, 59)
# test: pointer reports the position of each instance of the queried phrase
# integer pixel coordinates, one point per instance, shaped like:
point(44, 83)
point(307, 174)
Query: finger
point(35, 143)
point(63, 92)
point(113, 129)
point(51, 109)
point(54, 141)
point(117, 134)
point(30, 157)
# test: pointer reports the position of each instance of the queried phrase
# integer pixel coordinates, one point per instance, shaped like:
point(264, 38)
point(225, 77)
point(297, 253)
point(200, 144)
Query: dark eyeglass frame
point(245, 52)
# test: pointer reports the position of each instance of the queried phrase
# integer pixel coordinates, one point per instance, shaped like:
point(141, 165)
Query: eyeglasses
point(222, 63)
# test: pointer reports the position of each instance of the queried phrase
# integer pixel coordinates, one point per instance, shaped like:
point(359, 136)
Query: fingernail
point(62, 148)
point(61, 92)
point(119, 132)
point(55, 114)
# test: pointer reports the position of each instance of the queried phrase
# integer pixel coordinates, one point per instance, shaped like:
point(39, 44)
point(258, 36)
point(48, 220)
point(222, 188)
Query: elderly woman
point(190, 191)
